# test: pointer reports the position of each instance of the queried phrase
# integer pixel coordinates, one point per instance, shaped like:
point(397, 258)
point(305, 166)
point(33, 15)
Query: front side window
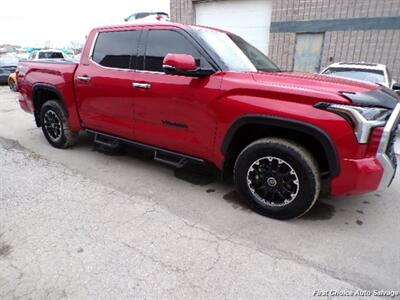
point(162, 42)
point(116, 49)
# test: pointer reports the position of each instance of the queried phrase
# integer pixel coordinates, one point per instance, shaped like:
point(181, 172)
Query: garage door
point(250, 19)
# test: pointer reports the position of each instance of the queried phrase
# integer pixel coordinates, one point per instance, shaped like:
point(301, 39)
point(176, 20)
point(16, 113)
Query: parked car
point(12, 82)
point(206, 95)
point(77, 57)
point(47, 54)
point(8, 65)
point(147, 17)
point(375, 73)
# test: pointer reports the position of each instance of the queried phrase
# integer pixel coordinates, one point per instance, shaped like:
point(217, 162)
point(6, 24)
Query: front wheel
point(55, 127)
point(279, 178)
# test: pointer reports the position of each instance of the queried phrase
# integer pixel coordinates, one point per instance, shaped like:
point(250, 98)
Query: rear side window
point(162, 42)
point(50, 55)
point(116, 49)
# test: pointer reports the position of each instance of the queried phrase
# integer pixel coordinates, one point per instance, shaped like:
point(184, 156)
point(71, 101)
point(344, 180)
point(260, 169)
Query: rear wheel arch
point(249, 128)
point(41, 93)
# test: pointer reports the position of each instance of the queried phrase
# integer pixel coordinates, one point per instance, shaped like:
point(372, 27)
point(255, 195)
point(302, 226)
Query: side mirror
point(183, 64)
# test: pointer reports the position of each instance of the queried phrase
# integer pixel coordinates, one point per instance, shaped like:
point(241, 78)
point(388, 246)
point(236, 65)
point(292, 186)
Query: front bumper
point(357, 176)
point(369, 174)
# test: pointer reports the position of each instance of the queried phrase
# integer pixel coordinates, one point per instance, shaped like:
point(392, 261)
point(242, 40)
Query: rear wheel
point(279, 178)
point(55, 127)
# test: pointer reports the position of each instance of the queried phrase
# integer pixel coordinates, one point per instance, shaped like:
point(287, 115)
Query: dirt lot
point(82, 224)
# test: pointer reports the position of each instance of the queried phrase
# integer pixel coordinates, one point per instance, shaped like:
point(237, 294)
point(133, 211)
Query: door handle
point(140, 85)
point(83, 78)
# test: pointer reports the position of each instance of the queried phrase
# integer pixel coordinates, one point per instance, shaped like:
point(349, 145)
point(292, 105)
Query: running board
point(105, 140)
point(171, 158)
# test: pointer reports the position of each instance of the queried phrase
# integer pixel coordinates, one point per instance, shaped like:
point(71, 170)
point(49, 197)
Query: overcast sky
point(33, 22)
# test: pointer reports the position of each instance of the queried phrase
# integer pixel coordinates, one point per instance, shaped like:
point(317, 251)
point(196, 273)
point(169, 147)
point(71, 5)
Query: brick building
point(307, 35)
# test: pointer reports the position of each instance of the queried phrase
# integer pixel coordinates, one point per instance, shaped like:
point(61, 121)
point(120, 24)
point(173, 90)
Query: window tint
point(162, 42)
point(116, 49)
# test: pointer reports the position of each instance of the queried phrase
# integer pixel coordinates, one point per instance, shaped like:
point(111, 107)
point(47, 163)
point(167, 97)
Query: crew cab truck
point(203, 94)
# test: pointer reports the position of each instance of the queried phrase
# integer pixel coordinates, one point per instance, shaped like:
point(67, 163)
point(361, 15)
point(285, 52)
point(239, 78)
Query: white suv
point(143, 17)
point(375, 73)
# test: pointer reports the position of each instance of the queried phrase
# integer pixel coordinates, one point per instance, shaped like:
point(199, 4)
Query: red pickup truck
point(192, 93)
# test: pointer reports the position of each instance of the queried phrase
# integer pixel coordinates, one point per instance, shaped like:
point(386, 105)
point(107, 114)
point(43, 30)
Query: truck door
point(172, 111)
point(104, 84)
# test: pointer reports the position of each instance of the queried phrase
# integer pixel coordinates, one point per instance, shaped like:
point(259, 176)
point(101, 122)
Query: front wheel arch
point(273, 126)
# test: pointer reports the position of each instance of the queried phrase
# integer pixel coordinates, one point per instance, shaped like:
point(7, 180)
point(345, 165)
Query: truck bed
point(57, 76)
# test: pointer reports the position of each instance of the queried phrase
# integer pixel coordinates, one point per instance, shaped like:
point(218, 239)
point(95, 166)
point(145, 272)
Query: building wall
point(182, 11)
point(379, 46)
point(372, 45)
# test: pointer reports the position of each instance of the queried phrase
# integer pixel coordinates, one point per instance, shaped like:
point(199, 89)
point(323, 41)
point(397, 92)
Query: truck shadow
point(203, 175)
point(196, 174)
point(320, 211)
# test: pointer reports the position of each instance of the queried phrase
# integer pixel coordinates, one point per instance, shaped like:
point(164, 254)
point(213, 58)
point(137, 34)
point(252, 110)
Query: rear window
point(50, 55)
point(116, 49)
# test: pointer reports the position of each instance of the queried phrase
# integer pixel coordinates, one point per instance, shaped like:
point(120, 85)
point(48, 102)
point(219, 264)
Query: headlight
point(363, 119)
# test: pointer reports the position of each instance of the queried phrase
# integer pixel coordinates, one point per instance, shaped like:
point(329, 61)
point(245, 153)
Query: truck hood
point(314, 82)
point(331, 89)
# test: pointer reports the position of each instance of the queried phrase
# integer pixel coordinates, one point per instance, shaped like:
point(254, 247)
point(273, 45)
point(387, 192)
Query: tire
point(55, 127)
point(279, 178)
point(12, 85)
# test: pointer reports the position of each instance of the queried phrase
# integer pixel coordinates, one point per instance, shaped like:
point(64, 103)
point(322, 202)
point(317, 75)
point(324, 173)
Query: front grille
point(386, 153)
point(390, 150)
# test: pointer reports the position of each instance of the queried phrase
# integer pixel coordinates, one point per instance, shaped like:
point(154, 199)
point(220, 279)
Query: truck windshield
point(235, 52)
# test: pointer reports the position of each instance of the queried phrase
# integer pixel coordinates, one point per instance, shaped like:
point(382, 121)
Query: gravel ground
point(81, 224)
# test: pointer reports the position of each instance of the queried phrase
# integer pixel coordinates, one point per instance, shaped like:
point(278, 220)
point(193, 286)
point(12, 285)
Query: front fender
point(293, 125)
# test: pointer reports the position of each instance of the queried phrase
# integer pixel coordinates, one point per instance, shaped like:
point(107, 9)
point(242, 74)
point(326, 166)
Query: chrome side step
point(171, 158)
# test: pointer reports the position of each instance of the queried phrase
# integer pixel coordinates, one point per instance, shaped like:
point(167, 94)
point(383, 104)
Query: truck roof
point(126, 26)
point(133, 25)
